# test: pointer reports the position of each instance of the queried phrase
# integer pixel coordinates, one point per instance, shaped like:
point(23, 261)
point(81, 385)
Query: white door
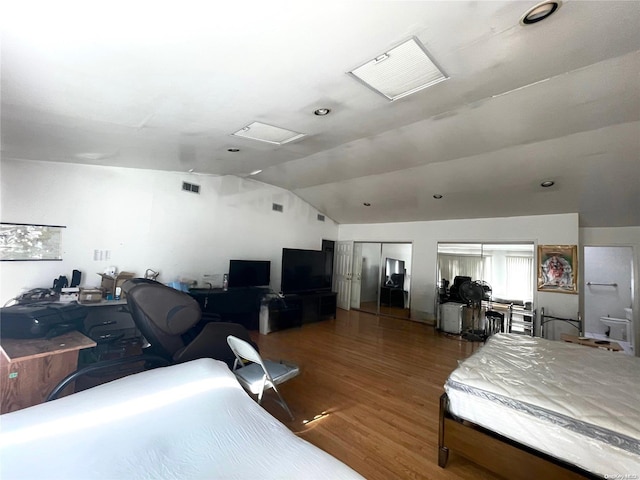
point(342, 273)
point(356, 282)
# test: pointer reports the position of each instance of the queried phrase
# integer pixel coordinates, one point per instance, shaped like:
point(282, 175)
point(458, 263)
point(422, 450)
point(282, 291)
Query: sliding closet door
point(382, 278)
point(395, 279)
point(369, 276)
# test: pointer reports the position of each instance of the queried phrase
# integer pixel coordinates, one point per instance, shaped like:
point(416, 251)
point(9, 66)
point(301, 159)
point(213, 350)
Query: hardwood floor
point(372, 307)
point(374, 384)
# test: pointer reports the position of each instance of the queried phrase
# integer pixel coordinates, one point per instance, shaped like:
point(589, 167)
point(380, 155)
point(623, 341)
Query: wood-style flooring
point(372, 307)
point(372, 384)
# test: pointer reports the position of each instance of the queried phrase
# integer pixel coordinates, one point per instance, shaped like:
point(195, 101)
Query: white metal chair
point(261, 375)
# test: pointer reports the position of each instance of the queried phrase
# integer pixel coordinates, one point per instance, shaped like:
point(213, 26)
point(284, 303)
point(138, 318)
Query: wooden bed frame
point(496, 453)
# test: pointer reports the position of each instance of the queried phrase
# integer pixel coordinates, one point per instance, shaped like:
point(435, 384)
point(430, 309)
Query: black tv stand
point(238, 305)
point(314, 306)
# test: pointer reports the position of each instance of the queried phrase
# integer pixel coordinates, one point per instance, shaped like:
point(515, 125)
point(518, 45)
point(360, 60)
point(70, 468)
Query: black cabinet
point(284, 313)
point(298, 309)
point(237, 305)
point(317, 306)
point(242, 305)
point(393, 297)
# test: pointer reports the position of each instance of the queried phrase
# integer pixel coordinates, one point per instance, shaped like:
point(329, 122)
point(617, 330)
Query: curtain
point(451, 266)
point(519, 277)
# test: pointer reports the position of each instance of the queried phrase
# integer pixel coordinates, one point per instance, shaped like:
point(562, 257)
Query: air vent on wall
point(190, 187)
point(276, 207)
point(320, 218)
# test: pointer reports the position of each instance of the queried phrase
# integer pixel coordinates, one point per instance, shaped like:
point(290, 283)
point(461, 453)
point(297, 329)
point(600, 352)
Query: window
point(519, 277)
point(452, 266)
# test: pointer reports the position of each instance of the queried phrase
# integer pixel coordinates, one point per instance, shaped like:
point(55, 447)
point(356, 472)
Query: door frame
point(635, 279)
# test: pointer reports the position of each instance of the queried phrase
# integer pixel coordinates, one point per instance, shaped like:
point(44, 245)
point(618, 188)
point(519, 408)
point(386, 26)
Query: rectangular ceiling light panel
point(401, 71)
point(268, 133)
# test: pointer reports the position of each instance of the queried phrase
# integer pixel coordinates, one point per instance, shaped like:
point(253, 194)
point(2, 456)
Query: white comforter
point(185, 421)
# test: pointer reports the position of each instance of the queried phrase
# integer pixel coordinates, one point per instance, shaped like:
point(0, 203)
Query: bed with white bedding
point(191, 420)
point(576, 404)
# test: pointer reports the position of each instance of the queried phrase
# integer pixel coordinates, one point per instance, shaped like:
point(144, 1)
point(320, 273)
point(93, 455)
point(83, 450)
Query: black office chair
point(171, 322)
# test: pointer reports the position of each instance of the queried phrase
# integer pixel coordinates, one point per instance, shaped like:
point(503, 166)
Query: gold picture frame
point(558, 268)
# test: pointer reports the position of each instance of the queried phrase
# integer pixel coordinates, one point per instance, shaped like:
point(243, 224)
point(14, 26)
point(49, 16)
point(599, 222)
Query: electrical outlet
point(212, 280)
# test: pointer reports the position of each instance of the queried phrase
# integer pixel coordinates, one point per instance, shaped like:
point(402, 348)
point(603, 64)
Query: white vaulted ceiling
point(163, 85)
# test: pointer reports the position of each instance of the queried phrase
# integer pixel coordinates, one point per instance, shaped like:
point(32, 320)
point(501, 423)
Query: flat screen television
point(304, 271)
point(249, 273)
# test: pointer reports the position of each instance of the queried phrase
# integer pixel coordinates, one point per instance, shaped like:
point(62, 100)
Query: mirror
point(481, 276)
point(381, 280)
point(508, 268)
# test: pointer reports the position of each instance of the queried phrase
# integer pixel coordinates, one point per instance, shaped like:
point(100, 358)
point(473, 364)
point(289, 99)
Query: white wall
point(542, 230)
point(144, 219)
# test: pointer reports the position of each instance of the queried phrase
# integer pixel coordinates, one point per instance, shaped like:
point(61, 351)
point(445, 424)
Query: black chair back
point(162, 314)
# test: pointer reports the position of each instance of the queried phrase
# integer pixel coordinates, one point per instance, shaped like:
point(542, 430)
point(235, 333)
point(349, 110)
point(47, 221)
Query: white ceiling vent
point(320, 217)
point(268, 133)
point(190, 187)
point(401, 71)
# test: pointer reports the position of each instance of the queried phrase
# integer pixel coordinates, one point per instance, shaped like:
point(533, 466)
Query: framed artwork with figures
point(558, 268)
point(30, 242)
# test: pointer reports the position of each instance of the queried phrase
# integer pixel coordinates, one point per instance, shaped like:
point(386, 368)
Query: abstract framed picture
point(29, 242)
point(558, 268)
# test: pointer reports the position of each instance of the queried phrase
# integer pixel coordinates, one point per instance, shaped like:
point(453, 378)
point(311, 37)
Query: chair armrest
point(155, 360)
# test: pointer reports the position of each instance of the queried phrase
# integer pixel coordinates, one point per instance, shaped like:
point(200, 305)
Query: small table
point(591, 342)
point(31, 368)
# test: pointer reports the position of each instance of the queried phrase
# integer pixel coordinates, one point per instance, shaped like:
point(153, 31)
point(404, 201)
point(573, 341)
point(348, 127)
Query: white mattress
point(185, 421)
point(576, 403)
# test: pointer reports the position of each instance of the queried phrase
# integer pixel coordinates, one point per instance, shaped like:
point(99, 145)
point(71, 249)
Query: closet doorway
point(381, 278)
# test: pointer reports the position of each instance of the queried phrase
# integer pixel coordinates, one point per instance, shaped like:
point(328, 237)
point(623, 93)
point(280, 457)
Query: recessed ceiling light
point(366, 204)
point(95, 156)
point(233, 150)
point(547, 183)
point(255, 172)
point(321, 112)
point(540, 12)
point(437, 196)
point(400, 71)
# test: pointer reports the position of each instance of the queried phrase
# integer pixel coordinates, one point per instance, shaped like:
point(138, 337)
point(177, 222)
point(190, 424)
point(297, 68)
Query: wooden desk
point(31, 368)
point(591, 342)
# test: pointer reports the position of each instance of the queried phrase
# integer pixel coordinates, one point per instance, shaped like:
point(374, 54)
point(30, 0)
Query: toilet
point(623, 324)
